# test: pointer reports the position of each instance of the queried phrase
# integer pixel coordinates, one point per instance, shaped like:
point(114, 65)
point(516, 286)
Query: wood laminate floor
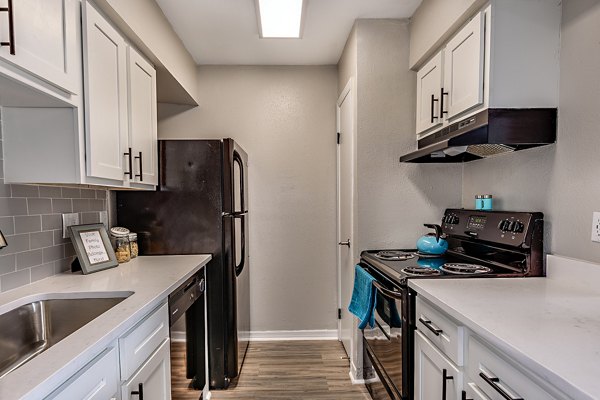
point(280, 371)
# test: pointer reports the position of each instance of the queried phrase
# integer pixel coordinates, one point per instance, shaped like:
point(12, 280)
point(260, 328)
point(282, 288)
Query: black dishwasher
point(188, 299)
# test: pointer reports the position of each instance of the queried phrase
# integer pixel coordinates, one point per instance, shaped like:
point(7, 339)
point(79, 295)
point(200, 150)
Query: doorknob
point(346, 243)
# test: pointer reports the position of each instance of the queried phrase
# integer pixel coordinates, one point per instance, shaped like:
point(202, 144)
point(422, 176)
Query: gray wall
point(284, 117)
point(561, 180)
point(31, 221)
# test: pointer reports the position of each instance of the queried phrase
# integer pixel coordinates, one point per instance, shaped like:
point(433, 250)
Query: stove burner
point(464, 269)
point(421, 271)
point(425, 255)
point(394, 255)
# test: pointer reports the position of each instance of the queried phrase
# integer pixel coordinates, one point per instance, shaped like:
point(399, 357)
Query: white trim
point(318, 334)
point(177, 336)
point(356, 381)
point(356, 374)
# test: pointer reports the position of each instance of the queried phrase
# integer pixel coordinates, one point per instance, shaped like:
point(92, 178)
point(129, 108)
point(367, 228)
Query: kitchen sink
point(32, 328)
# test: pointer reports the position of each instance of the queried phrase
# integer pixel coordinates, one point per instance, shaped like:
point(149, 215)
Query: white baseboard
point(318, 334)
point(356, 374)
point(177, 336)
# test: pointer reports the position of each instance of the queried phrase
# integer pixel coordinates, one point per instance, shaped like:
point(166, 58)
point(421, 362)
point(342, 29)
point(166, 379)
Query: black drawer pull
point(445, 378)
point(139, 392)
point(130, 161)
point(464, 396)
point(493, 383)
point(428, 325)
point(141, 174)
point(433, 101)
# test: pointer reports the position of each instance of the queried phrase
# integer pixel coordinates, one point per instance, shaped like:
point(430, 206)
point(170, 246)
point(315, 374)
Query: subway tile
point(71, 193)
point(28, 224)
point(15, 280)
point(101, 194)
point(41, 239)
point(8, 264)
point(39, 206)
point(58, 239)
point(52, 192)
point(51, 221)
point(25, 191)
point(88, 194)
point(62, 205)
point(90, 217)
point(10, 207)
point(81, 205)
point(29, 259)
point(17, 243)
point(62, 265)
point(4, 189)
point(7, 225)
point(2, 170)
point(53, 253)
point(1, 150)
point(42, 271)
point(97, 205)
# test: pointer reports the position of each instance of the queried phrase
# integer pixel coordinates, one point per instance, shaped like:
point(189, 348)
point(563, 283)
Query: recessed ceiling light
point(280, 18)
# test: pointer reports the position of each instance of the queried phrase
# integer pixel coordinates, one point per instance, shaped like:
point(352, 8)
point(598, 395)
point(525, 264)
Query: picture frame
point(93, 247)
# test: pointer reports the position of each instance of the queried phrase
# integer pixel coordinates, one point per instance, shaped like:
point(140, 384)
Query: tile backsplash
point(30, 218)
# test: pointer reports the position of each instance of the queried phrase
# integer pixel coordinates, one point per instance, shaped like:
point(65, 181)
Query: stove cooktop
point(404, 264)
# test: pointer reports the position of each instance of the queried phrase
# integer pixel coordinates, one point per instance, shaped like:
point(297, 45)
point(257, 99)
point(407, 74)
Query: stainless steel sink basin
point(34, 327)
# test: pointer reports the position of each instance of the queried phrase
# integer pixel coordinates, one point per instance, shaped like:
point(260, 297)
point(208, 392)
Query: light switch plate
point(596, 227)
point(67, 221)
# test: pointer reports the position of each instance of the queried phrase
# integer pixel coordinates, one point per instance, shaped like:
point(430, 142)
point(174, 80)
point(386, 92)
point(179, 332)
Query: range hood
point(491, 132)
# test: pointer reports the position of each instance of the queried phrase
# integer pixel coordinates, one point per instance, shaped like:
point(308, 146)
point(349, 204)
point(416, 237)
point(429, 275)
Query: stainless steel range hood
point(491, 132)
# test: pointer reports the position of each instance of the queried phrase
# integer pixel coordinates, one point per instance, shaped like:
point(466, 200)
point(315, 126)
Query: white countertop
point(151, 279)
point(549, 325)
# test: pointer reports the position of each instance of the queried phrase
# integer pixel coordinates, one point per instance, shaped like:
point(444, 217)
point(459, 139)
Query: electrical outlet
point(596, 227)
point(67, 221)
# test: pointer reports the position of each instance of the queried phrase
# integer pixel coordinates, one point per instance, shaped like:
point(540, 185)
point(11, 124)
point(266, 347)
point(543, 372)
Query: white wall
point(284, 117)
point(561, 180)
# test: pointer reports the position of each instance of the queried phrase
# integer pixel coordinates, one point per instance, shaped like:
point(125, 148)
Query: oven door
point(384, 340)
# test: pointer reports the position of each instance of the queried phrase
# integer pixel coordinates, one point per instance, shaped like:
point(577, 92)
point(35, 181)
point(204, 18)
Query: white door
point(142, 118)
point(345, 178)
point(463, 68)
point(153, 378)
point(434, 373)
point(429, 87)
point(105, 81)
point(46, 40)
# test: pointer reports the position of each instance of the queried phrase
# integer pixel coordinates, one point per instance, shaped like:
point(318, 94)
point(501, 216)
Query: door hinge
point(339, 136)
point(339, 313)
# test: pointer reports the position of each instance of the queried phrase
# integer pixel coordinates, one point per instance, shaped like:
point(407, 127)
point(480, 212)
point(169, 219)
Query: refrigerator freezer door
point(235, 171)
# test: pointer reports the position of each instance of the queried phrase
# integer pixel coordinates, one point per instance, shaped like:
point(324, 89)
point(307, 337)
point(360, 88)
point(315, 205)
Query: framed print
point(93, 247)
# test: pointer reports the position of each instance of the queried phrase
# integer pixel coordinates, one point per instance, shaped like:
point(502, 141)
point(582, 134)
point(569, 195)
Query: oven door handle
point(392, 294)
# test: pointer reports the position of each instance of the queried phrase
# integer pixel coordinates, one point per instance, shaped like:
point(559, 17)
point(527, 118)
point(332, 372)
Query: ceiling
point(225, 32)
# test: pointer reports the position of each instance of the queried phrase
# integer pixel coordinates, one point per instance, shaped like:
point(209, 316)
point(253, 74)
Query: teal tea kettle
point(433, 243)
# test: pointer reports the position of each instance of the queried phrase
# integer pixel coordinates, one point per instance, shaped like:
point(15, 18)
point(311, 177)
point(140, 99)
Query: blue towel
point(364, 298)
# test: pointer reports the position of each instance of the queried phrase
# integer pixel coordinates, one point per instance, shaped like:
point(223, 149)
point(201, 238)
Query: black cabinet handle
point(139, 392)
point(445, 378)
point(130, 173)
point(433, 101)
point(427, 324)
point(493, 383)
point(464, 396)
point(11, 27)
point(442, 94)
point(141, 174)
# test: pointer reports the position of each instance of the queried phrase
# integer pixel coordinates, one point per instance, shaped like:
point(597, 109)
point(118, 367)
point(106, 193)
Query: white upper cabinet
point(143, 118)
point(429, 81)
point(464, 57)
point(105, 85)
point(44, 41)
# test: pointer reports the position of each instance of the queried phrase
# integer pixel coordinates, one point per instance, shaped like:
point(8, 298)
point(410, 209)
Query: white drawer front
point(139, 343)
point(493, 375)
point(473, 392)
point(99, 380)
point(443, 332)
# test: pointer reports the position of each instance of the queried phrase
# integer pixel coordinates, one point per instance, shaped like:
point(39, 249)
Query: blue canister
point(487, 202)
point(478, 202)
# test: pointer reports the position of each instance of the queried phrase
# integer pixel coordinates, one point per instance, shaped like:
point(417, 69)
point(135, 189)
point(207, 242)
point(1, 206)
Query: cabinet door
point(46, 40)
point(142, 118)
point(463, 69)
point(435, 376)
point(429, 84)
point(105, 82)
point(153, 378)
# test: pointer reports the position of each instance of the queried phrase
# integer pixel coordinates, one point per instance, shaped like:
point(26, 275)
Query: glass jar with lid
point(133, 244)
point(119, 237)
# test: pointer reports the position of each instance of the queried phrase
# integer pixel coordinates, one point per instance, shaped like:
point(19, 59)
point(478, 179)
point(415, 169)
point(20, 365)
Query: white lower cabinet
point(153, 380)
point(472, 392)
point(436, 377)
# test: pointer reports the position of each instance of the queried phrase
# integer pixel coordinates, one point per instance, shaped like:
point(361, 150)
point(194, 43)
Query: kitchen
point(277, 99)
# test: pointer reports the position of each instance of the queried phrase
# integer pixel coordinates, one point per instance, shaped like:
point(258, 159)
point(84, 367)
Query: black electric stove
point(481, 244)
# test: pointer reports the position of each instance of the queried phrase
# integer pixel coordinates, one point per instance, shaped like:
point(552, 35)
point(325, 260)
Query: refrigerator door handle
point(239, 268)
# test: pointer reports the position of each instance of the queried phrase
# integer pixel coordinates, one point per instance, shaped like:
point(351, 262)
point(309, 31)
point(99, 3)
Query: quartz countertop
point(150, 278)
point(549, 325)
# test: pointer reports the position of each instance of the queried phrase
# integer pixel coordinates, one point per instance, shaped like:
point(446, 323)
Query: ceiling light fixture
point(280, 18)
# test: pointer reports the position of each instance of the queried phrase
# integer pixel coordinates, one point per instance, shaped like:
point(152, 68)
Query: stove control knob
point(518, 227)
point(454, 219)
point(504, 225)
point(511, 226)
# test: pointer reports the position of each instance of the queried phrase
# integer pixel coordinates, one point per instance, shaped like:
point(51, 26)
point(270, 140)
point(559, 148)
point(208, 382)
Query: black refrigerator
point(201, 206)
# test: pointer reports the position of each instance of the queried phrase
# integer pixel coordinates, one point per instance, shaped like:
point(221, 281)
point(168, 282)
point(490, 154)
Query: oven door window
point(385, 339)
